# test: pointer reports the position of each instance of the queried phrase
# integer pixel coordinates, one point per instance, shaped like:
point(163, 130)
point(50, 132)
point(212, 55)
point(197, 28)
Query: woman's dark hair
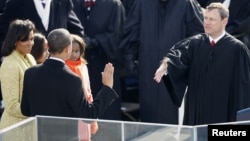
point(38, 47)
point(19, 30)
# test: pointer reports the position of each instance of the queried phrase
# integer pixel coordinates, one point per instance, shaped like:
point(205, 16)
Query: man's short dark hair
point(58, 39)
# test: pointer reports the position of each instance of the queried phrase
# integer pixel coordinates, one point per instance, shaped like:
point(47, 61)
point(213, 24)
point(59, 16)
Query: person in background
point(61, 88)
point(17, 58)
point(212, 69)
point(45, 14)
point(102, 37)
point(151, 28)
point(78, 64)
point(40, 48)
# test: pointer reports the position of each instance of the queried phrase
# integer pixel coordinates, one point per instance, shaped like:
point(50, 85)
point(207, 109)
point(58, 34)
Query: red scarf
point(76, 66)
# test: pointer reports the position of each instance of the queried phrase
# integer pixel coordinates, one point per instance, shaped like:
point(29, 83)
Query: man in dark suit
point(55, 14)
point(56, 84)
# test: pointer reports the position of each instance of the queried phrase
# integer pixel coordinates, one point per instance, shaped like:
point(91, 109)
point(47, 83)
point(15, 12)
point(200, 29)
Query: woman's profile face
point(25, 47)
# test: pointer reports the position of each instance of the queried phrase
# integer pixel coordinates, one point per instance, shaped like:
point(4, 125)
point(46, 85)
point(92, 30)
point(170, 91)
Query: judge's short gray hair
point(223, 10)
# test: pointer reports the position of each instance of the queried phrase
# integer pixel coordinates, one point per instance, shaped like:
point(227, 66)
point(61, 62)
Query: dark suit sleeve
point(105, 97)
point(25, 108)
point(82, 108)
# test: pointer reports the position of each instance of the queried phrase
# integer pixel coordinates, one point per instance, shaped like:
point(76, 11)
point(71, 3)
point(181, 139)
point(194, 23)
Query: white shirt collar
point(58, 59)
point(217, 39)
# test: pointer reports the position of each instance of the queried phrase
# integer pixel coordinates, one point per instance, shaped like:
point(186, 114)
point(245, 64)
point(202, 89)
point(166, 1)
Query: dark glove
point(130, 64)
point(90, 42)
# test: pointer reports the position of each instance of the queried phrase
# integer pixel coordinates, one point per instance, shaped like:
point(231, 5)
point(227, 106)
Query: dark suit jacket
point(53, 89)
point(61, 16)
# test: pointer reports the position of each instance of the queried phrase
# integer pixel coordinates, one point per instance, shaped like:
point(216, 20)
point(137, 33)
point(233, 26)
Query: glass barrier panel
point(49, 128)
point(22, 131)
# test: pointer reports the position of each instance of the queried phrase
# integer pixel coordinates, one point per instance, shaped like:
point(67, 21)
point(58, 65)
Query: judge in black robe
point(152, 27)
point(216, 79)
point(102, 23)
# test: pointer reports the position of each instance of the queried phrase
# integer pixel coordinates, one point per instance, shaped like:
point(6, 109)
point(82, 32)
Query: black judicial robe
point(156, 27)
point(217, 78)
point(103, 23)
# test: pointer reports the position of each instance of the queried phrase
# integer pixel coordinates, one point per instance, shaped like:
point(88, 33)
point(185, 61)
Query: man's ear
point(68, 49)
point(225, 21)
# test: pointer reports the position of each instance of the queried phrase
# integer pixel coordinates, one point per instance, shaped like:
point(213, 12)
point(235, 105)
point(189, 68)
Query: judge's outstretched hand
point(107, 75)
point(161, 71)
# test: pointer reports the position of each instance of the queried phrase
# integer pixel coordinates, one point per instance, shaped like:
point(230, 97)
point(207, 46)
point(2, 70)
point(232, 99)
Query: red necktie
point(212, 43)
point(89, 3)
